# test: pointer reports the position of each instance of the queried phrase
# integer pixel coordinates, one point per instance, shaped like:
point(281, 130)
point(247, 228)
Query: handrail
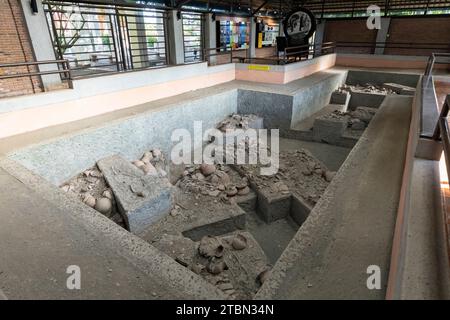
point(443, 115)
point(308, 49)
point(426, 80)
point(394, 45)
point(64, 72)
point(219, 52)
point(289, 52)
point(432, 60)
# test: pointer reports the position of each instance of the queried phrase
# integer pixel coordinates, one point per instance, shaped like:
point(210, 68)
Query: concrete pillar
point(210, 35)
point(281, 29)
point(41, 42)
point(382, 34)
point(175, 37)
point(251, 53)
point(318, 39)
point(139, 39)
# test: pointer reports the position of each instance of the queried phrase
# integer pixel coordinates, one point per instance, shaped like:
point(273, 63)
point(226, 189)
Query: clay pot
point(104, 206)
point(210, 247)
point(263, 276)
point(216, 266)
point(318, 171)
point(149, 169)
point(199, 176)
point(197, 268)
point(242, 184)
point(214, 179)
point(224, 177)
point(239, 242)
point(146, 160)
point(139, 163)
point(156, 153)
point(89, 200)
point(231, 191)
point(243, 192)
point(311, 165)
point(107, 194)
point(207, 169)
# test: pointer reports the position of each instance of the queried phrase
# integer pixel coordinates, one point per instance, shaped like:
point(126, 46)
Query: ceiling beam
point(181, 3)
point(260, 7)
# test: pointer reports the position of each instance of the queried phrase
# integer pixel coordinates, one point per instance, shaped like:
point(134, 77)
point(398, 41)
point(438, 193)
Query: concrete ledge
point(100, 95)
point(281, 74)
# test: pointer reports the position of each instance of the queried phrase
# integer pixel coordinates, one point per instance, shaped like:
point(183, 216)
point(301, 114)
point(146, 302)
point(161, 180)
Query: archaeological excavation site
point(197, 150)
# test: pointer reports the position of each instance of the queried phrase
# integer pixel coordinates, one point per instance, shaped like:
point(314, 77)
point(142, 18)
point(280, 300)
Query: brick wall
point(406, 29)
point(15, 46)
point(349, 30)
point(419, 30)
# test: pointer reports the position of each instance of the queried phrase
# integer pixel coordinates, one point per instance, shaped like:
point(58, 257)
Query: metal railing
point(439, 58)
point(442, 131)
point(429, 124)
point(372, 46)
point(220, 52)
point(103, 39)
point(435, 58)
point(306, 50)
point(289, 54)
point(63, 70)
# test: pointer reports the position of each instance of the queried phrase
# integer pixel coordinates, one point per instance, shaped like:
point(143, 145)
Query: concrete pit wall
point(355, 218)
point(312, 99)
point(63, 158)
point(283, 111)
point(355, 77)
point(374, 100)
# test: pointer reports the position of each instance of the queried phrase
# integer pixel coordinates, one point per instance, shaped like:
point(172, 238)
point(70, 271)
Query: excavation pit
point(267, 220)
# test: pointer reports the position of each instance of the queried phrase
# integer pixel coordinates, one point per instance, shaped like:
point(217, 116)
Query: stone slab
point(141, 199)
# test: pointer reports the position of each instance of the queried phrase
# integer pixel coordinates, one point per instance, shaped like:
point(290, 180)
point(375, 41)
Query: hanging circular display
point(299, 26)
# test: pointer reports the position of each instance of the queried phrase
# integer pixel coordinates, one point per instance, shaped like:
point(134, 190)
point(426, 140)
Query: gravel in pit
point(367, 88)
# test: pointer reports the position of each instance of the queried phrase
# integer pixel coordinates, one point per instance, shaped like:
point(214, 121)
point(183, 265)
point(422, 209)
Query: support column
point(382, 34)
point(175, 35)
point(139, 40)
point(41, 42)
point(210, 35)
point(251, 53)
point(318, 38)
